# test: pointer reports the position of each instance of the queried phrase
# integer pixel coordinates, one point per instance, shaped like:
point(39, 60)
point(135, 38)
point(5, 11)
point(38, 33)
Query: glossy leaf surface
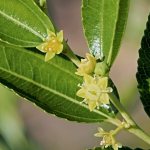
point(104, 22)
point(23, 23)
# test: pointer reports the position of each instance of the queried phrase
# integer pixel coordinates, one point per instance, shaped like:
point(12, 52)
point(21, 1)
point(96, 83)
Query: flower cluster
point(52, 45)
point(108, 139)
point(94, 89)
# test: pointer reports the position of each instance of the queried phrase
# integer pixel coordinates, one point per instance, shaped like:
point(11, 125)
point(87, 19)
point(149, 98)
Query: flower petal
point(88, 79)
point(91, 96)
point(79, 72)
point(115, 146)
point(41, 47)
point(49, 55)
point(60, 48)
point(50, 34)
point(92, 105)
point(103, 82)
point(60, 36)
point(100, 130)
point(98, 135)
point(104, 98)
point(81, 93)
point(91, 58)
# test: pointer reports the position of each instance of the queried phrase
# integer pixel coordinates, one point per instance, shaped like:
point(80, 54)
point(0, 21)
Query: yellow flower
point(108, 139)
point(87, 65)
point(95, 91)
point(52, 45)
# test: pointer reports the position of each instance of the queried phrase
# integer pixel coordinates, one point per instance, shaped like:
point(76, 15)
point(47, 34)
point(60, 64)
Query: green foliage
point(22, 23)
point(111, 84)
point(51, 85)
point(143, 75)
point(104, 23)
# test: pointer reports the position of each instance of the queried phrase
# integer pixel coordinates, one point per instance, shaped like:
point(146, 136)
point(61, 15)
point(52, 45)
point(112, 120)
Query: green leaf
point(109, 148)
point(104, 22)
point(23, 23)
point(51, 85)
point(115, 91)
point(143, 75)
point(42, 5)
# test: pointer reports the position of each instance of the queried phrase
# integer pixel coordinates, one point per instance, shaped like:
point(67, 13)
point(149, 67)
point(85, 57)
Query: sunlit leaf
point(23, 23)
point(104, 22)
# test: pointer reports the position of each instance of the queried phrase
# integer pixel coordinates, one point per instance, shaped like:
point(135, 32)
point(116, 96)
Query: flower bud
point(101, 69)
point(87, 65)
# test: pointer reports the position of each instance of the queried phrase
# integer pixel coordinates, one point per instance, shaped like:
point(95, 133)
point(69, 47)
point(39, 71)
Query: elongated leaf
point(143, 75)
point(51, 85)
point(104, 22)
point(23, 23)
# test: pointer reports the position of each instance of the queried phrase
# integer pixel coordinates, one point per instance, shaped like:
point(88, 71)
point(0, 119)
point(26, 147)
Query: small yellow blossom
point(52, 45)
point(108, 139)
point(87, 65)
point(95, 91)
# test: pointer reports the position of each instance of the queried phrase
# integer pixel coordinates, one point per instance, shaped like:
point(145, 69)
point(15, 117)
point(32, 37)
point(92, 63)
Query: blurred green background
point(24, 126)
